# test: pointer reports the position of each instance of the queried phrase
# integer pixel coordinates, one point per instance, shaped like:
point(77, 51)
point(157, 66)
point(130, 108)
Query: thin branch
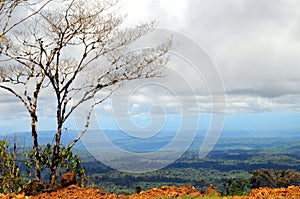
point(17, 95)
point(88, 118)
point(29, 16)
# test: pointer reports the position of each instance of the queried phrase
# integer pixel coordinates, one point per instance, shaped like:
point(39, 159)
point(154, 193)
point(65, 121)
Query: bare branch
point(24, 19)
point(88, 118)
point(17, 95)
point(80, 49)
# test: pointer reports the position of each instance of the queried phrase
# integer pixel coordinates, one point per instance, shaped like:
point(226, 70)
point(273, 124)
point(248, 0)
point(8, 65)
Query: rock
point(68, 179)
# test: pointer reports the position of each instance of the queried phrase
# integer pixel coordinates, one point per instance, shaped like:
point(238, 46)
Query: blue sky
point(253, 45)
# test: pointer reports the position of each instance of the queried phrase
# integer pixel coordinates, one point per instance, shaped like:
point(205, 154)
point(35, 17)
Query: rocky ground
point(75, 191)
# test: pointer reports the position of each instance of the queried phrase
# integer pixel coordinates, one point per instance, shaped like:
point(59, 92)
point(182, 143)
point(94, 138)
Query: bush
point(67, 162)
point(10, 178)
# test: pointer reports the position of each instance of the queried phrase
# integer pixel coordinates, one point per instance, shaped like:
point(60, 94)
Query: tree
point(13, 76)
point(274, 178)
point(201, 184)
point(41, 53)
point(237, 187)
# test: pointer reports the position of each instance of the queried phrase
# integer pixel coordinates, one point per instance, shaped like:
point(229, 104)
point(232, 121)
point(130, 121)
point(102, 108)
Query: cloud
point(256, 104)
point(255, 45)
point(252, 43)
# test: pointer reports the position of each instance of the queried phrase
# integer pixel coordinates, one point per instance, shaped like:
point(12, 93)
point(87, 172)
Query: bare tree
point(80, 49)
point(14, 77)
point(18, 74)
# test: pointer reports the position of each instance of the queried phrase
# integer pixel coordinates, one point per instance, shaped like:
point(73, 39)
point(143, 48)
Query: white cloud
point(255, 45)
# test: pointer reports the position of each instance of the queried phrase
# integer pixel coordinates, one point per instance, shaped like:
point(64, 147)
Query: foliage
point(11, 179)
point(275, 178)
point(220, 165)
point(138, 189)
point(201, 185)
point(67, 162)
point(239, 187)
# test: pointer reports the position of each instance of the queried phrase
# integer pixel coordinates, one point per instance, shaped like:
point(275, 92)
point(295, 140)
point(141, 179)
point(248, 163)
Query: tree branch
point(29, 16)
point(17, 95)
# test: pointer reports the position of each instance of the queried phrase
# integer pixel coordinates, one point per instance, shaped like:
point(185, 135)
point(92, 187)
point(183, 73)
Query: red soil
point(74, 191)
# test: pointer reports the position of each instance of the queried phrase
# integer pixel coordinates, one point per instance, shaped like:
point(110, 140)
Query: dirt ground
point(74, 191)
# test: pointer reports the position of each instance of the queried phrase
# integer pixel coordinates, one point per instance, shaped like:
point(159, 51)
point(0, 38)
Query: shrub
point(67, 161)
point(11, 179)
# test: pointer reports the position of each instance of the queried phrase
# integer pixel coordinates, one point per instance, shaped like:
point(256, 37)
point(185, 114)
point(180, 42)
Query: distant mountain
point(44, 137)
point(240, 139)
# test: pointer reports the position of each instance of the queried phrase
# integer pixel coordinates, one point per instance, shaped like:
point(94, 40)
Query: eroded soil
point(74, 191)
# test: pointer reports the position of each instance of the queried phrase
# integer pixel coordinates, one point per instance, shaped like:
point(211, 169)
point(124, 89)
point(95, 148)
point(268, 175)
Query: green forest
point(235, 167)
point(255, 162)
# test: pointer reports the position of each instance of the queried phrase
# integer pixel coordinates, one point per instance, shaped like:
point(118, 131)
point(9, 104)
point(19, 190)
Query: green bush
point(67, 162)
point(239, 187)
point(11, 179)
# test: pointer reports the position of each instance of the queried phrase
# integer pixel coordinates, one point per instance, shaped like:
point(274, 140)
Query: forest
point(236, 163)
point(235, 166)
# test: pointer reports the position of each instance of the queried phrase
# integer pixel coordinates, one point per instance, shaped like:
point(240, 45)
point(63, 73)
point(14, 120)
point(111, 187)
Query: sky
point(250, 46)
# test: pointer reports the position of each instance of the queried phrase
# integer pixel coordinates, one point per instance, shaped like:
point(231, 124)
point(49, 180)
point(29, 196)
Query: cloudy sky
point(254, 46)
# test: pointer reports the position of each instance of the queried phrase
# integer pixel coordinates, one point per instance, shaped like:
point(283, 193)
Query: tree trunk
point(56, 157)
point(35, 146)
point(52, 175)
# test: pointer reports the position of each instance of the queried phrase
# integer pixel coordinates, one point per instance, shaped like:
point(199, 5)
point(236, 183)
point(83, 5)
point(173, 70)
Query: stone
point(68, 179)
